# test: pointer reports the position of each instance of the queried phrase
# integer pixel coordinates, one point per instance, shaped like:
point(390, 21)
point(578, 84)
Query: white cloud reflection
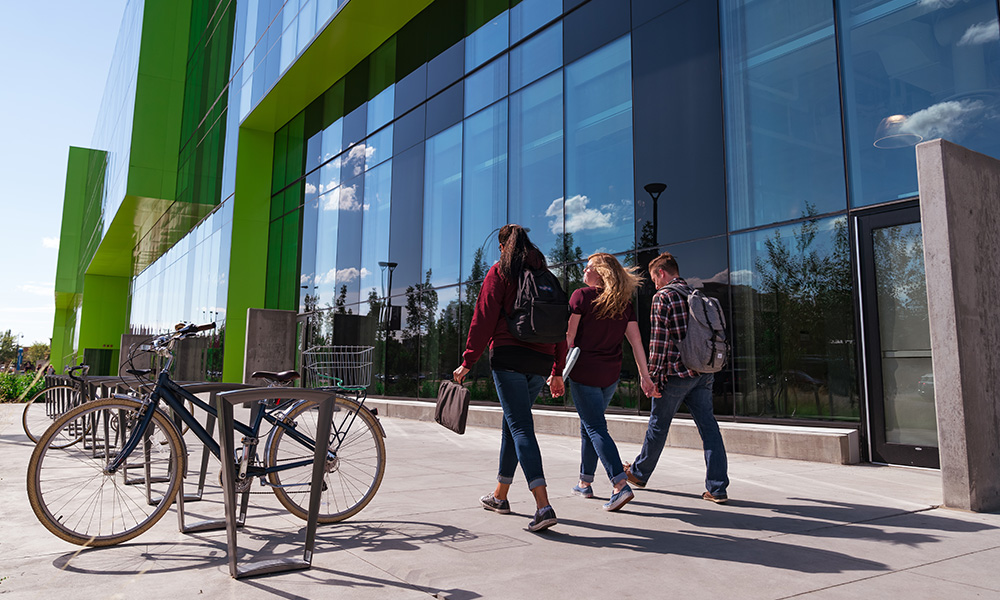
point(578, 216)
point(947, 120)
point(341, 275)
point(981, 33)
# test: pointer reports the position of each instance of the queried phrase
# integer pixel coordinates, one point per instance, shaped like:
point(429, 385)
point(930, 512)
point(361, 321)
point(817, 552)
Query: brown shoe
point(632, 479)
point(717, 499)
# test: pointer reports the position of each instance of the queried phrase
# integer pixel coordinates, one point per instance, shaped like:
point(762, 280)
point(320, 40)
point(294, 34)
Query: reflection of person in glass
point(519, 372)
point(677, 384)
point(601, 315)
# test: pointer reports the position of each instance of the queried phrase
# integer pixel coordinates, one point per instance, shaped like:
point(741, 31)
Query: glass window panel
point(307, 25)
point(333, 140)
point(594, 24)
point(350, 220)
point(442, 207)
point(536, 57)
point(916, 71)
point(793, 322)
point(311, 189)
point(407, 210)
point(484, 181)
point(375, 229)
point(536, 162)
point(445, 68)
point(445, 109)
point(324, 285)
point(380, 108)
point(378, 147)
point(408, 129)
point(440, 313)
point(783, 122)
point(329, 176)
point(528, 16)
point(486, 86)
point(309, 296)
point(599, 213)
point(411, 90)
point(288, 293)
point(487, 41)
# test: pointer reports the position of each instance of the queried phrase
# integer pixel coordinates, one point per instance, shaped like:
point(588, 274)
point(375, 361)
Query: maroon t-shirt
point(599, 340)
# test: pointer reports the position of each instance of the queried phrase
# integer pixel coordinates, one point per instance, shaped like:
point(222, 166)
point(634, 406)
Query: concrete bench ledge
point(817, 444)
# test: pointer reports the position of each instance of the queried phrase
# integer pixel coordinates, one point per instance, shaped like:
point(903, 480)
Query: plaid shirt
point(668, 317)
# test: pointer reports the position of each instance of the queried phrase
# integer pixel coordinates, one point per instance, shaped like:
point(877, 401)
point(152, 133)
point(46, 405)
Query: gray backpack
point(704, 348)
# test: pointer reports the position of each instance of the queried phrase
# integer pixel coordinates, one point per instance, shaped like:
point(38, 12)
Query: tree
point(8, 347)
point(37, 353)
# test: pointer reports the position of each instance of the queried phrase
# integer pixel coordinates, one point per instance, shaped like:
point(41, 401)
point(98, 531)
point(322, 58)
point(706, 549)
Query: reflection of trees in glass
point(899, 265)
point(563, 252)
point(801, 328)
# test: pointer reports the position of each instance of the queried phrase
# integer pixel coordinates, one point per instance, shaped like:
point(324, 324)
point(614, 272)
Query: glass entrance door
point(900, 378)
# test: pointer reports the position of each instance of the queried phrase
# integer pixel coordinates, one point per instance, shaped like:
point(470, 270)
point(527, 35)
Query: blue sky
point(54, 60)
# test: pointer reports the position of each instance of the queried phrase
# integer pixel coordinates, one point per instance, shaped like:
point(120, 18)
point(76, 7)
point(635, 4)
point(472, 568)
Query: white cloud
point(310, 189)
point(578, 216)
point(741, 277)
point(720, 277)
point(936, 4)
point(349, 198)
point(981, 33)
point(350, 274)
point(943, 120)
point(50, 242)
point(359, 154)
point(37, 290)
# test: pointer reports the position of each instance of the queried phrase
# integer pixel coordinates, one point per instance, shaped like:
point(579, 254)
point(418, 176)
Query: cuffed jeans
point(696, 392)
point(595, 441)
point(517, 392)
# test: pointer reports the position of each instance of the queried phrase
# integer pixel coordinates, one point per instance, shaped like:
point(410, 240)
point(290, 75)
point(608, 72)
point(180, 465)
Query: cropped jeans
point(517, 392)
point(595, 441)
point(696, 392)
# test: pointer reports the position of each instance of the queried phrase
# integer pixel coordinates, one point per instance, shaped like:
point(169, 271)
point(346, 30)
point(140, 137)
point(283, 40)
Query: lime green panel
point(288, 291)
point(248, 255)
point(354, 33)
point(273, 265)
point(134, 219)
point(104, 314)
point(159, 99)
point(84, 183)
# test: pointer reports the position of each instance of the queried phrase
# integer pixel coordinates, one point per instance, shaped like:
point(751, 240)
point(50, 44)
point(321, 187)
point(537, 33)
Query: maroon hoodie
point(489, 325)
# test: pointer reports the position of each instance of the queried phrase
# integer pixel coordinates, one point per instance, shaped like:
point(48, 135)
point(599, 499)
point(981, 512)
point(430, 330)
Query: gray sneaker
point(490, 502)
point(543, 519)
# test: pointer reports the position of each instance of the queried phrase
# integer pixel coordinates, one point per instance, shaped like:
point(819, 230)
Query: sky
point(54, 61)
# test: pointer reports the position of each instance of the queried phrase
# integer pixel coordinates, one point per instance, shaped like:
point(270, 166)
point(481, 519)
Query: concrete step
point(817, 444)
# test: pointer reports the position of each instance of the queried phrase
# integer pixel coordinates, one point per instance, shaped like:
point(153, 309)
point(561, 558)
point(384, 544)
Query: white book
point(571, 356)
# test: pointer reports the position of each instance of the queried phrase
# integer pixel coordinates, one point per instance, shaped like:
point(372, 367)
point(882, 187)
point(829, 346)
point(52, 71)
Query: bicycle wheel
point(45, 407)
point(75, 499)
point(351, 478)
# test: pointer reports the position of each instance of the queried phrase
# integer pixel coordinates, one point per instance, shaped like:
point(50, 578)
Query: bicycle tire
point(45, 407)
point(72, 496)
point(350, 481)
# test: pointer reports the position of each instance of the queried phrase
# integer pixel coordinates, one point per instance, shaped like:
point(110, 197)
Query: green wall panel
point(104, 315)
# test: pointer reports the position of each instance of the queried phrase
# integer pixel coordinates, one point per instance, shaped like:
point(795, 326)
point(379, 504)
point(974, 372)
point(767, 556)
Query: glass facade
point(772, 124)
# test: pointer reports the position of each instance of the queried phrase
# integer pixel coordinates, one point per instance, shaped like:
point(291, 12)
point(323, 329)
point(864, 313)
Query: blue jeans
point(596, 442)
point(696, 392)
point(517, 392)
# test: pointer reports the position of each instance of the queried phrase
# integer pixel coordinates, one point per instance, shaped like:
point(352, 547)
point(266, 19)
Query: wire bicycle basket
point(346, 367)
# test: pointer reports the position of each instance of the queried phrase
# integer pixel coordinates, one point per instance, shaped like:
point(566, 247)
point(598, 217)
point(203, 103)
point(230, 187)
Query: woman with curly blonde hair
point(601, 315)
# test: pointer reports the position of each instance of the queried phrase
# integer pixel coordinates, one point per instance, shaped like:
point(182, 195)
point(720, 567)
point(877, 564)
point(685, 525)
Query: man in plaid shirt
point(677, 384)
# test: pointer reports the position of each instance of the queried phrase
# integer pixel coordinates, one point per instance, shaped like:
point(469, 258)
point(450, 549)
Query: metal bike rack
point(326, 400)
point(213, 390)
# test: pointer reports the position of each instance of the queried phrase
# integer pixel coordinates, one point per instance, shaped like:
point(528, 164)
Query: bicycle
point(52, 402)
point(80, 492)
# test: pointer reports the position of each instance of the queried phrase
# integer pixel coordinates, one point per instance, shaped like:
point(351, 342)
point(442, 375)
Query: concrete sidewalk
point(792, 528)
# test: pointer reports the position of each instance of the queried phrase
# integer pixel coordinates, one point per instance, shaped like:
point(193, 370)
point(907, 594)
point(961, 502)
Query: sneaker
point(632, 478)
point(543, 519)
point(620, 499)
point(720, 499)
point(490, 502)
point(585, 492)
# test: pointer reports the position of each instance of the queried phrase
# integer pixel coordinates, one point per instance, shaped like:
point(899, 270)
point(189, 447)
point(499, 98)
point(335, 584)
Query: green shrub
point(13, 385)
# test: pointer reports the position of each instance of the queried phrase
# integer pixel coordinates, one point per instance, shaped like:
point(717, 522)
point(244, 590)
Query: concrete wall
point(270, 342)
point(960, 216)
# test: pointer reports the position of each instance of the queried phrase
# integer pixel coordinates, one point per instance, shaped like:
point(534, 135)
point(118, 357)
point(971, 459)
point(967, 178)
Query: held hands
point(460, 373)
point(648, 387)
point(556, 385)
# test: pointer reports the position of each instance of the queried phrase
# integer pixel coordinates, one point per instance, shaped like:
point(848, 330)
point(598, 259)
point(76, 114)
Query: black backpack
point(541, 308)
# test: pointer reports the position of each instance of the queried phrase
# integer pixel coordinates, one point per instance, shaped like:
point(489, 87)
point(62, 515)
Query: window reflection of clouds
point(442, 206)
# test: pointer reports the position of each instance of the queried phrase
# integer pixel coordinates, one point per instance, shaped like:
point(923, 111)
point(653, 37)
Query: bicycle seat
point(282, 377)
point(138, 372)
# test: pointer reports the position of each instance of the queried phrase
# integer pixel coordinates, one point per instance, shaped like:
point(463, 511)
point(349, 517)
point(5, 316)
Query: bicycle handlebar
point(70, 370)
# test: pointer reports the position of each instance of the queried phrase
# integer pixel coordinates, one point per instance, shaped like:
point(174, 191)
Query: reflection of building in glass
point(302, 145)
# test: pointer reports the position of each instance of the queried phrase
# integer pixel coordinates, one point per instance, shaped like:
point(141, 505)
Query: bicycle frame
point(174, 396)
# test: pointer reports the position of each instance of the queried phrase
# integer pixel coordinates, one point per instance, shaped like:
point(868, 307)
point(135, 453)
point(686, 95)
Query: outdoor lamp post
point(654, 190)
point(388, 317)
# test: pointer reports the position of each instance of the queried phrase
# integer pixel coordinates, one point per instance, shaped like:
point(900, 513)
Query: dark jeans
point(696, 392)
point(517, 392)
point(595, 441)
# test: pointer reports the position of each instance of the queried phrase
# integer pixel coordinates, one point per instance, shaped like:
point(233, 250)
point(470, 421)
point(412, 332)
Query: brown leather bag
point(452, 409)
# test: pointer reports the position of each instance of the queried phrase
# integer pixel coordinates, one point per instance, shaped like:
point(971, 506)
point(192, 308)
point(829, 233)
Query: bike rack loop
point(326, 400)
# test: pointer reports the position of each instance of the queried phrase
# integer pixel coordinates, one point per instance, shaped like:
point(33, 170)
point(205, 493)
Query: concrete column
point(270, 342)
point(960, 216)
